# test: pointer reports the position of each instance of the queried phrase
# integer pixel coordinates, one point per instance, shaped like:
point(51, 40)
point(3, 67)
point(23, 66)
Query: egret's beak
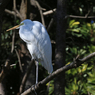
point(15, 27)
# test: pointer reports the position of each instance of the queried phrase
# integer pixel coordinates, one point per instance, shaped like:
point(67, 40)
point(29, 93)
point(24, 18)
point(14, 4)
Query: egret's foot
point(34, 88)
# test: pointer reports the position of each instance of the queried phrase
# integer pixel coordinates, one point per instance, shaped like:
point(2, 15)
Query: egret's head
point(27, 23)
point(24, 22)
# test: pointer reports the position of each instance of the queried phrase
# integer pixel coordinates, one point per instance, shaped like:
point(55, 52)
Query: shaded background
point(80, 41)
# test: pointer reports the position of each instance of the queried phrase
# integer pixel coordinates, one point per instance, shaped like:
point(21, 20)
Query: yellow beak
point(15, 27)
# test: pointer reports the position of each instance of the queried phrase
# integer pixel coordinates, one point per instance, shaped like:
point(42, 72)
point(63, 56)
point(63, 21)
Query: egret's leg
point(37, 72)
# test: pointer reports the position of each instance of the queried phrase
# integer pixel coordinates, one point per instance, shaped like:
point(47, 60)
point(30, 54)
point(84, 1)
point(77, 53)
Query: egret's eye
point(21, 24)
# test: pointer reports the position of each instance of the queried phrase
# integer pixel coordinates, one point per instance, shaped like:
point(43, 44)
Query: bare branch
point(6, 68)
point(3, 72)
point(88, 13)
point(13, 39)
point(23, 9)
point(50, 24)
point(73, 16)
point(2, 89)
point(19, 60)
point(15, 12)
point(41, 13)
point(53, 42)
point(49, 12)
point(45, 4)
point(43, 9)
point(74, 64)
point(13, 36)
point(11, 12)
point(14, 4)
point(12, 65)
point(25, 76)
point(18, 13)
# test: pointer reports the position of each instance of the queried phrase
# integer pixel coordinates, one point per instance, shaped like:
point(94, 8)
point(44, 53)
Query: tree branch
point(25, 77)
point(16, 12)
point(74, 64)
point(49, 12)
point(13, 40)
point(41, 13)
point(21, 69)
point(73, 16)
point(50, 24)
point(6, 68)
point(23, 10)
point(11, 12)
point(88, 13)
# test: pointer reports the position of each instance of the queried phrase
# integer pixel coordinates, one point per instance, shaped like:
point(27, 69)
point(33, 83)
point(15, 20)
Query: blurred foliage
point(80, 40)
point(80, 81)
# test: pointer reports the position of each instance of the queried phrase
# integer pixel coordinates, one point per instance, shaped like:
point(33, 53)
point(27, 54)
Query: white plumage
point(38, 42)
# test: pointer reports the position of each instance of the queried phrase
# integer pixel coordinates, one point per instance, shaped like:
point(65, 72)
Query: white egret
point(38, 43)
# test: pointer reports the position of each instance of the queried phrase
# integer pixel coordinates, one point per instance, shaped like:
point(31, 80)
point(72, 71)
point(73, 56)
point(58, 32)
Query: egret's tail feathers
point(47, 66)
point(50, 69)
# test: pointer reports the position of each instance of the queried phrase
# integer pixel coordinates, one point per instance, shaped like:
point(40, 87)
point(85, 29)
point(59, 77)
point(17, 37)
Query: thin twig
point(44, 13)
point(74, 64)
point(19, 61)
point(5, 68)
point(12, 65)
point(41, 13)
point(53, 42)
point(45, 4)
point(13, 39)
point(50, 24)
point(11, 12)
point(73, 16)
point(25, 76)
point(3, 72)
point(14, 4)
point(23, 9)
point(88, 13)
point(16, 11)
point(49, 12)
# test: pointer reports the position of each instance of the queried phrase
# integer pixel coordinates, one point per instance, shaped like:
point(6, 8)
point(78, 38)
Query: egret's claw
point(34, 88)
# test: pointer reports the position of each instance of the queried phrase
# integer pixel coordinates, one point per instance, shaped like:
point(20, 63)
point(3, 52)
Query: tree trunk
point(59, 82)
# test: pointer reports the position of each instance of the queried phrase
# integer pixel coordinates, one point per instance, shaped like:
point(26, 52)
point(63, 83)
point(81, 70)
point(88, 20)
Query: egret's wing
point(44, 45)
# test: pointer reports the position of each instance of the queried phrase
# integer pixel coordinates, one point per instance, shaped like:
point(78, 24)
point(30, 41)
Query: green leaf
point(71, 22)
point(79, 70)
point(6, 35)
point(75, 30)
point(75, 23)
point(14, 66)
point(84, 67)
point(89, 68)
point(93, 25)
point(2, 36)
